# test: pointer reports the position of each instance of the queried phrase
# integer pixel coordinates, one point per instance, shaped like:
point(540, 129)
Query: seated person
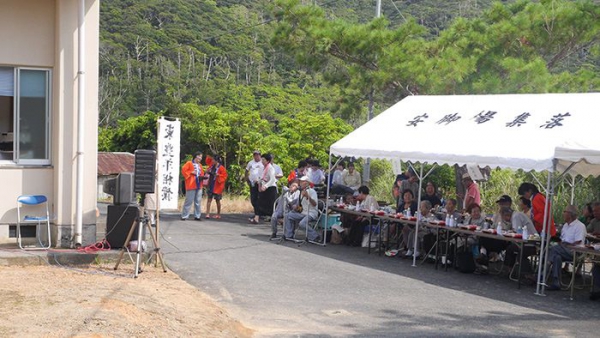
point(451, 210)
point(299, 172)
point(594, 226)
point(357, 225)
point(503, 201)
point(351, 181)
point(315, 173)
point(489, 248)
point(336, 178)
point(396, 191)
point(474, 216)
point(518, 221)
point(305, 212)
point(287, 202)
point(425, 212)
point(407, 202)
point(525, 206)
point(431, 195)
point(572, 233)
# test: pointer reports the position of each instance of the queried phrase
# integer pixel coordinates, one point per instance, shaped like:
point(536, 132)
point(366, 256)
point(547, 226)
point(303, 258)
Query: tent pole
point(572, 189)
point(327, 202)
point(545, 238)
point(416, 248)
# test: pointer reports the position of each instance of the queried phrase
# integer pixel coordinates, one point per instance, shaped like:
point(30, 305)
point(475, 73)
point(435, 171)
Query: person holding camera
point(304, 212)
point(287, 202)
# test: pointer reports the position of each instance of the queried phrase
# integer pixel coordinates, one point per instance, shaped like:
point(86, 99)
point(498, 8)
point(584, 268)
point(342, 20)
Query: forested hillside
point(293, 76)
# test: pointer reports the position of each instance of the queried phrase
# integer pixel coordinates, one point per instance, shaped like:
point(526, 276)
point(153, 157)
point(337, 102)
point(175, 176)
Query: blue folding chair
point(31, 201)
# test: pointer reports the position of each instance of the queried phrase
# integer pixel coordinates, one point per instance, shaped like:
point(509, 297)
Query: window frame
point(16, 119)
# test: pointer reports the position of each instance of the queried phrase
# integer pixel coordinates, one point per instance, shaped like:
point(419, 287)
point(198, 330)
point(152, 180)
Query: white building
point(39, 110)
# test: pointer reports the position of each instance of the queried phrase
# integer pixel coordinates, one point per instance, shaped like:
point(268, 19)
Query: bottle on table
point(499, 228)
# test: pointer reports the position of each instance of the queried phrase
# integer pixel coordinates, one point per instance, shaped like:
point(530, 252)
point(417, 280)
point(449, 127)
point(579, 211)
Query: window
point(24, 116)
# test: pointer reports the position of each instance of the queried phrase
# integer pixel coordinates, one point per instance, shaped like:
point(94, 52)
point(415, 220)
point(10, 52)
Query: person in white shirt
point(267, 190)
point(277, 168)
point(305, 212)
point(254, 169)
point(572, 233)
point(287, 202)
point(315, 173)
point(337, 174)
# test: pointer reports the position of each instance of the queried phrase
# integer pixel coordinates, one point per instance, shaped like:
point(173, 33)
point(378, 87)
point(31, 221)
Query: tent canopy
point(517, 131)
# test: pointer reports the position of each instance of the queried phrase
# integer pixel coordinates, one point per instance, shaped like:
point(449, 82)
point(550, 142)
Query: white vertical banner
point(168, 148)
point(397, 166)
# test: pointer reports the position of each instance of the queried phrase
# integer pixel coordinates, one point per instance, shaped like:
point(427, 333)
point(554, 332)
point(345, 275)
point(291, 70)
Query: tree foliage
point(292, 76)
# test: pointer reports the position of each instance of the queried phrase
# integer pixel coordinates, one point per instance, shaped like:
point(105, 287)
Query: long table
point(582, 250)
point(450, 232)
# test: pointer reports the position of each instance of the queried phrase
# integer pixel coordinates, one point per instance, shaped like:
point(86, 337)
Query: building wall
point(43, 33)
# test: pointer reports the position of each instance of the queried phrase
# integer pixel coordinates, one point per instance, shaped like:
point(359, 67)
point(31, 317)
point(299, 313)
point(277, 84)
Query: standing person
point(193, 174)
point(253, 171)
point(538, 203)
point(472, 194)
point(216, 183)
point(267, 190)
point(278, 171)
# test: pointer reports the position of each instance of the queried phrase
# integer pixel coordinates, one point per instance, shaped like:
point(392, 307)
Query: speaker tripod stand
point(138, 224)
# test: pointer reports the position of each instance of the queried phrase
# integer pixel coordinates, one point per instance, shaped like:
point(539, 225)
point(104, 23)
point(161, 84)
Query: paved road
point(338, 291)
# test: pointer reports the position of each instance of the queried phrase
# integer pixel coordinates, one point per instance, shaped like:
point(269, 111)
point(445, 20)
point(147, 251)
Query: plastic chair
point(33, 200)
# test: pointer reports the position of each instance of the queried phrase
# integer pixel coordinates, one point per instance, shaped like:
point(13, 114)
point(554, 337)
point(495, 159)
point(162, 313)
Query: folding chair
point(30, 202)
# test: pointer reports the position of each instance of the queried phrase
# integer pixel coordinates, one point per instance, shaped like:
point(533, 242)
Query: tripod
point(139, 223)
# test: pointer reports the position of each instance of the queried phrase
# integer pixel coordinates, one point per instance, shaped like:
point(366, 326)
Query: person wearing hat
point(254, 169)
point(503, 201)
point(490, 246)
point(472, 194)
point(305, 212)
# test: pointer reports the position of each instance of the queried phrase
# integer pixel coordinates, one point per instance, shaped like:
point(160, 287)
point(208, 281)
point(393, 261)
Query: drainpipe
point(80, 122)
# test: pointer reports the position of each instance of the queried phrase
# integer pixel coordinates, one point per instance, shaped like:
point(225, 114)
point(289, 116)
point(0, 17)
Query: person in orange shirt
point(216, 183)
point(193, 174)
point(538, 202)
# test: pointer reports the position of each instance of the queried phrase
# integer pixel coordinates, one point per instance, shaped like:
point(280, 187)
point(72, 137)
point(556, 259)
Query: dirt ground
point(53, 301)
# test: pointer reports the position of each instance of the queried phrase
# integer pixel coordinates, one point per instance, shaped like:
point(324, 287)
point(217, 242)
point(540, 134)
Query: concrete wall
point(43, 33)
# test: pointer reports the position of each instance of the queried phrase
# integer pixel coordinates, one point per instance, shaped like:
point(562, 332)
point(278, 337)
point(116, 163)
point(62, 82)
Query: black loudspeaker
point(119, 220)
point(145, 165)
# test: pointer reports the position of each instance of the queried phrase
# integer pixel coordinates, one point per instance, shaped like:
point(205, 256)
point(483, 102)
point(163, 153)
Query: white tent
point(526, 131)
point(553, 132)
